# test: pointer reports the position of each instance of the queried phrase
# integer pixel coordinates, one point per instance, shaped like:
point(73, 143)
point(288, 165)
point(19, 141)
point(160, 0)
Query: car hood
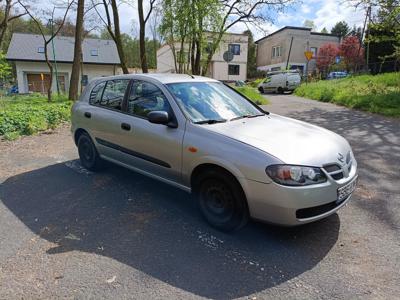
point(289, 140)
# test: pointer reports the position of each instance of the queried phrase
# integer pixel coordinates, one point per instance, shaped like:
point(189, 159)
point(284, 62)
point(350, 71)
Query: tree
point(324, 30)
point(142, 32)
point(341, 29)
point(76, 64)
point(113, 28)
point(251, 56)
point(309, 24)
point(326, 57)
point(5, 68)
point(47, 38)
point(349, 49)
point(242, 11)
point(383, 36)
point(9, 13)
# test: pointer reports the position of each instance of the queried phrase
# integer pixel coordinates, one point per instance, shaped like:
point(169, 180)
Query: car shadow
point(158, 230)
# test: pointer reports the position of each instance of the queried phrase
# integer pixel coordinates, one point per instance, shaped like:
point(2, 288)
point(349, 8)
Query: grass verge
point(252, 94)
point(29, 114)
point(376, 94)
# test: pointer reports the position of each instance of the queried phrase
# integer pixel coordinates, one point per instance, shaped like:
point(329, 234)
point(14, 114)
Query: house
point(100, 58)
point(285, 48)
point(219, 69)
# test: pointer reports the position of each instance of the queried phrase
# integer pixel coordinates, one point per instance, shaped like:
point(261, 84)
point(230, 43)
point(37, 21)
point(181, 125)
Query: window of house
point(94, 52)
point(276, 51)
point(234, 49)
point(233, 69)
point(314, 51)
point(145, 97)
point(40, 50)
point(112, 96)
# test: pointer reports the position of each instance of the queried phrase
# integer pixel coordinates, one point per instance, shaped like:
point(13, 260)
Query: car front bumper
point(291, 206)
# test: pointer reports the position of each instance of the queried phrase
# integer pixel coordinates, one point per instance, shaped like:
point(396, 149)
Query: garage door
point(35, 83)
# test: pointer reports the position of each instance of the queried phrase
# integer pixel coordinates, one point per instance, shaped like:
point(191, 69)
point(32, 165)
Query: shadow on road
point(157, 230)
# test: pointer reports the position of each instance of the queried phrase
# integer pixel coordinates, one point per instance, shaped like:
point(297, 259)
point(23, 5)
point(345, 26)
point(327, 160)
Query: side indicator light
point(192, 149)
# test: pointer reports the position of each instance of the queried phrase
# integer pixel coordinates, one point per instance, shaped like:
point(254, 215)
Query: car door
point(106, 119)
point(153, 148)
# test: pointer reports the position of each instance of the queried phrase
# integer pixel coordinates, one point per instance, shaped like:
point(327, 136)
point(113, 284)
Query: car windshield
point(211, 102)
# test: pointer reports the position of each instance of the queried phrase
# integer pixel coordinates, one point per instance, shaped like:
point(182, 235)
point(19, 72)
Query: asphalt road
point(67, 232)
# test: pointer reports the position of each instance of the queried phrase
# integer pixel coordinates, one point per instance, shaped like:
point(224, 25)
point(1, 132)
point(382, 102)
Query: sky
point(324, 13)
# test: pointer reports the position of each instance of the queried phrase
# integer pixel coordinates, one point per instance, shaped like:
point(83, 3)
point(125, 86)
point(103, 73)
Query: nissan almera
point(202, 136)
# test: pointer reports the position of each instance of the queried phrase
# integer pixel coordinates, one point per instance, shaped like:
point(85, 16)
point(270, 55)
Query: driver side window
point(145, 97)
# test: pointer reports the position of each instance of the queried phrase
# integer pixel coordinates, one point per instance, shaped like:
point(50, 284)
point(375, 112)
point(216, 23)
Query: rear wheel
point(280, 90)
point(222, 201)
point(88, 154)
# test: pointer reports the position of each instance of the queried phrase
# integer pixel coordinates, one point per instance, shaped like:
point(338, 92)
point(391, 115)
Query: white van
point(280, 81)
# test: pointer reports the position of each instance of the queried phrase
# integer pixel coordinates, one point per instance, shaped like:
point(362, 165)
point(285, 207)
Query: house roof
point(294, 28)
point(25, 47)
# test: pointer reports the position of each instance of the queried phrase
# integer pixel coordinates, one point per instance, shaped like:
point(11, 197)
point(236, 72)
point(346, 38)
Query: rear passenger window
point(95, 95)
point(111, 95)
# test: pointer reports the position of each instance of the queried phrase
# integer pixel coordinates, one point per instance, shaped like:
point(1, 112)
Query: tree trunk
point(49, 94)
point(4, 23)
point(142, 36)
point(117, 37)
point(74, 83)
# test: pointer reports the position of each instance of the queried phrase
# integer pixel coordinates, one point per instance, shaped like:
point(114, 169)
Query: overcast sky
point(324, 13)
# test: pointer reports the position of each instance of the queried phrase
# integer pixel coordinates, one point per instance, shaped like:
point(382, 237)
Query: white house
point(219, 69)
point(100, 58)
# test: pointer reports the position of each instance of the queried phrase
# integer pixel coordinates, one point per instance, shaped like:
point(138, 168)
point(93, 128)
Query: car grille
point(336, 171)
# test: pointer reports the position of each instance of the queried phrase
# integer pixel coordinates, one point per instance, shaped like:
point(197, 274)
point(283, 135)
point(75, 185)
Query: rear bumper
point(291, 206)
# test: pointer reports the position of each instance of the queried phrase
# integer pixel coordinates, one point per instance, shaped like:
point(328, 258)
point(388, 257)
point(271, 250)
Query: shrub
point(377, 94)
point(252, 94)
point(26, 115)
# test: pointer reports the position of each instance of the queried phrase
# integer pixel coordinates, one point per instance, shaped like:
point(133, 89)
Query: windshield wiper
point(210, 121)
point(246, 116)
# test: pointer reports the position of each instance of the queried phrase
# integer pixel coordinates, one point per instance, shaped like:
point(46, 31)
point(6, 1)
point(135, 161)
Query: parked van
point(280, 81)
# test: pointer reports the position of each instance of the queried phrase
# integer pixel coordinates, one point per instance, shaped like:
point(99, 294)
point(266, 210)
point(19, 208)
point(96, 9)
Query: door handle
point(125, 126)
point(88, 115)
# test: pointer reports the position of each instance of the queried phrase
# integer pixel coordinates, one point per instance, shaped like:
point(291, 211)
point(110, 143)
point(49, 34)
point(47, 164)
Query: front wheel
point(88, 154)
point(222, 202)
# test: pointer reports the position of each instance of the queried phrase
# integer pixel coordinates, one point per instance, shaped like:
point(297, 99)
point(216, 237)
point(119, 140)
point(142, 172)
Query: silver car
point(200, 135)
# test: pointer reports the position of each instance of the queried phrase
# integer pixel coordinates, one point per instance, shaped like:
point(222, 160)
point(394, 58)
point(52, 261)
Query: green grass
point(252, 94)
point(376, 94)
point(29, 114)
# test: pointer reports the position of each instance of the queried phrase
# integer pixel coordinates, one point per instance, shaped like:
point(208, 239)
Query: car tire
point(88, 154)
point(222, 201)
point(280, 90)
point(261, 89)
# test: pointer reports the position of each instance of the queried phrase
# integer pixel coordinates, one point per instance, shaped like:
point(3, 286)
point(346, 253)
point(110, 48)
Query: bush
point(26, 115)
point(252, 94)
point(377, 94)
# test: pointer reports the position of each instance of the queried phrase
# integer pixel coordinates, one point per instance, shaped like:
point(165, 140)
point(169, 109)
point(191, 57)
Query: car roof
point(161, 77)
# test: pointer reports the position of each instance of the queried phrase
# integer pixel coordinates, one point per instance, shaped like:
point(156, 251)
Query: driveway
point(67, 232)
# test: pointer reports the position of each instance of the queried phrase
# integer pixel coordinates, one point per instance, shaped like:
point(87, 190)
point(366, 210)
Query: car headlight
point(295, 175)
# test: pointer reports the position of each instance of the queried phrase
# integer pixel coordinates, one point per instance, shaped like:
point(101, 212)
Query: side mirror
point(158, 117)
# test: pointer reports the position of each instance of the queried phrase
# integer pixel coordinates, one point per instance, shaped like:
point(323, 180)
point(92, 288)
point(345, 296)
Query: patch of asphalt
point(68, 232)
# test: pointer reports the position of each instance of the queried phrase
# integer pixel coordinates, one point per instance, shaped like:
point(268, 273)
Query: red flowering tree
point(326, 57)
point(352, 53)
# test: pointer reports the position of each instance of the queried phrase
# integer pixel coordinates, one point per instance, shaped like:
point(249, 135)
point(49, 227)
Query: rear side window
point(109, 94)
point(97, 92)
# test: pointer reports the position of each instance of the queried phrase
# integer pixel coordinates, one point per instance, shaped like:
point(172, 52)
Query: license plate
point(344, 191)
